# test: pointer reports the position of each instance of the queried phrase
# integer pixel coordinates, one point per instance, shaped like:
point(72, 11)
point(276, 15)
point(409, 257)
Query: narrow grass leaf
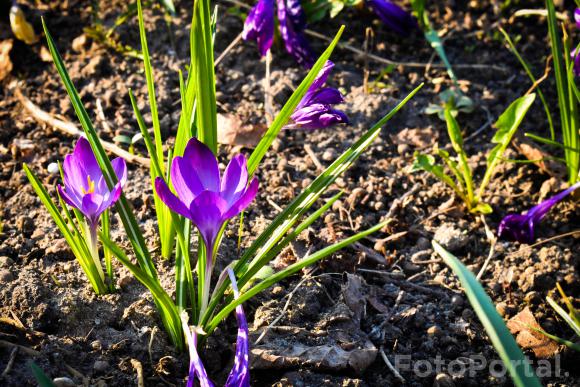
point(514, 360)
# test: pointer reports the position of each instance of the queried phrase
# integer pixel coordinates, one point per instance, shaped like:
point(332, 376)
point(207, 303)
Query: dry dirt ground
point(391, 295)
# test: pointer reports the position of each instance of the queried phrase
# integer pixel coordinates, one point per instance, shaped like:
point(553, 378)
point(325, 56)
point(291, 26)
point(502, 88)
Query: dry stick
point(313, 157)
point(69, 128)
point(139, 368)
point(384, 60)
point(26, 350)
point(391, 367)
point(228, 49)
point(286, 305)
point(492, 240)
point(267, 92)
point(10, 362)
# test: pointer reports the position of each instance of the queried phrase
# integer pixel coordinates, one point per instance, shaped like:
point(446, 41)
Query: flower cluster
point(259, 26)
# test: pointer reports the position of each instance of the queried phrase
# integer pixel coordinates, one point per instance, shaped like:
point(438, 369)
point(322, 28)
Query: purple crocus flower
point(574, 54)
point(85, 187)
point(577, 17)
point(259, 25)
point(240, 374)
point(393, 16)
point(520, 227)
point(315, 109)
point(292, 22)
point(202, 196)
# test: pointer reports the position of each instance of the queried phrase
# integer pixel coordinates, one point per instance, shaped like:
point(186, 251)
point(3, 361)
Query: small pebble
point(6, 262)
point(63, 382)
point(96, 345)
point(124, 281)
point(467, 314)
point(443, 380)
point(329, 154)
point(52, 168)
point(501, 308)
point(5, 276)
point(434, 331)
point(101, 366)
point(457, 301)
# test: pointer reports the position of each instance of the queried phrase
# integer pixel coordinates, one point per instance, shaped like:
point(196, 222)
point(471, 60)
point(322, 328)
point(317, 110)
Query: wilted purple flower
point(315, 109)
point(520, 227)
point(259, 25)
point(292, 22)
point(202, 195)
point(393, 16)
point(240, 374)
point(85, 187)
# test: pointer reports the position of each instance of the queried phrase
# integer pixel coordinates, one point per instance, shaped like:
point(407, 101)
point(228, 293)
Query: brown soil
point(396, 296)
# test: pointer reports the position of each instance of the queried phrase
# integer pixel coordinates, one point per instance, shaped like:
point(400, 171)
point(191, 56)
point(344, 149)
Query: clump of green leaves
point(460, 178)
point(566, 90)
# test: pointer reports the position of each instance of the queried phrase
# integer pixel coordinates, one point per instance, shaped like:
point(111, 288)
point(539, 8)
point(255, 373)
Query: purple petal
point(296, 14)
point(92, 207)
point(244, 201)
point(207, 213)
point(75, 177)
point(393, 16)
point(259, 25)
point(201, 159)
point(185, 180)
point(576, 58)
point(196, 367)
point(318, 82)
point(294, 41)
point(83, 153)
point(318, 116)
point(71, 200)
point(120, 168)
point(170, 199)
point(577, 17)
point(328, 96)
point(240, 375)
point(235, 179)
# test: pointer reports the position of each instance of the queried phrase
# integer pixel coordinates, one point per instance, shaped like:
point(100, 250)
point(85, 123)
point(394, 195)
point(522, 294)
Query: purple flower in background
point(315, 109)
point(292, 22)
point(202, 196)
point(85, 187)
point(259, 25)
point(520, 227)
point(393, 16)
point(240, 374)
point(577, 17)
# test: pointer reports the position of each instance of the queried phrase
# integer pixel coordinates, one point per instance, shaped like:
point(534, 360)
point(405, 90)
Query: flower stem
point(92, 239)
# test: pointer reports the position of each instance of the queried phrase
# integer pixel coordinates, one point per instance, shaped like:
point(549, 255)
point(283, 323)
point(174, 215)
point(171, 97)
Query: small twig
point(139, 368)
point(391, 367)
point(69, 128)
point(10, 362)
point(530, 247)
point(229, 48)
point(492, 241)
point(101, 116)
point(536, 12)
point(399, 201)
point(396, 274)
point(482, 127)
point(26, 350)
point(543, 77)
point(267, 92)
point(286, 305)
point(150, 346)
point(313, 157)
